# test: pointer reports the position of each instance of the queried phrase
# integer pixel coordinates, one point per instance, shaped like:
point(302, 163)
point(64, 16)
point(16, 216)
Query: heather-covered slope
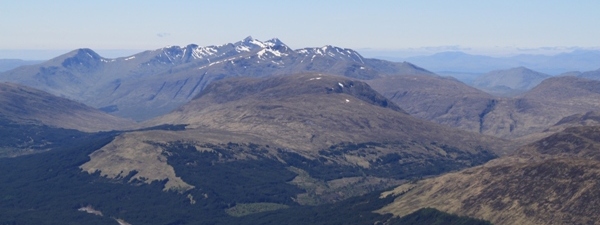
point(551, 181)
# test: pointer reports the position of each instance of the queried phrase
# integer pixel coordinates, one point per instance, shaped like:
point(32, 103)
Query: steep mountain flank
point(439, 99)
point(551, 181)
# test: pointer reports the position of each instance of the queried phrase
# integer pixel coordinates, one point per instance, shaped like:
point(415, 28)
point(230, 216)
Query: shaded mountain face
point(339, 137)
point(509, 82)
point(153, 83)
point(24, 105)
point(449, 102)
point(33, 121)
point(439, 99)
point(551, 181)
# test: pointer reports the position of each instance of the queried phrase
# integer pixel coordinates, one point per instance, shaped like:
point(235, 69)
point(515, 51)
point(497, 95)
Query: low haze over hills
point(460, 62)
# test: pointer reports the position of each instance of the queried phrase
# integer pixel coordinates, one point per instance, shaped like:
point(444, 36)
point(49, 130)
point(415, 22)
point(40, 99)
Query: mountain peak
point(275, 41)
point(522, 68)
point(83, 58)
point(82, 53)
point(248, 39)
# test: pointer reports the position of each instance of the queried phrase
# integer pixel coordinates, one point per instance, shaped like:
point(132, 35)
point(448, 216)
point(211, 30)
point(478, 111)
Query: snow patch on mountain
point(202, 52)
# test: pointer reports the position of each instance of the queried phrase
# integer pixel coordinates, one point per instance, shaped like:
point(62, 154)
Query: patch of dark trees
point(49, 187)
point(398, 165)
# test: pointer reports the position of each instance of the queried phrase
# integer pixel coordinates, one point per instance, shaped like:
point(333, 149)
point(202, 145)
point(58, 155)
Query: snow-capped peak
point(201, 52)
point(331, 51)
point(248, 39)
point(274, 42)
point(258, 43)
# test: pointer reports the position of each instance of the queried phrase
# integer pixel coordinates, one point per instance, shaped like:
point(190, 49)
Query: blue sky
point(367, 25)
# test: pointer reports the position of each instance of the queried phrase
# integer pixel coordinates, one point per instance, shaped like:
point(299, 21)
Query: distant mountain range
point(153, 83)
point(509, 82)
point(467, 66)
point(166, 78)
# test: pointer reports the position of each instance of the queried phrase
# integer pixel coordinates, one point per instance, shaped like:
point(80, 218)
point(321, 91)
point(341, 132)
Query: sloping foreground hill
point(336, 134)
point(25, 105)
point(449, 102)
point(49, 188)
point(552, 181)
point(152, 83)
point(310, 111)
point(245, 157)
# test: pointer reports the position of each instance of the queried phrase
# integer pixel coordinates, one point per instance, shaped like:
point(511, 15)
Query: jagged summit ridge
point(273, 47)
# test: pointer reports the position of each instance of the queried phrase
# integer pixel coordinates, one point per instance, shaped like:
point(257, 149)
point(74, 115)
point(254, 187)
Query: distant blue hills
point(460, 62)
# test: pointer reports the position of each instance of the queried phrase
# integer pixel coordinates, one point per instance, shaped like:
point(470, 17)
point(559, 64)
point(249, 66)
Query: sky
point(120, 27)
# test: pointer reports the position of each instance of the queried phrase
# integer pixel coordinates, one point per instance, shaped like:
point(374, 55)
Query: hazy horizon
point(46, 54)
point(119, 28)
